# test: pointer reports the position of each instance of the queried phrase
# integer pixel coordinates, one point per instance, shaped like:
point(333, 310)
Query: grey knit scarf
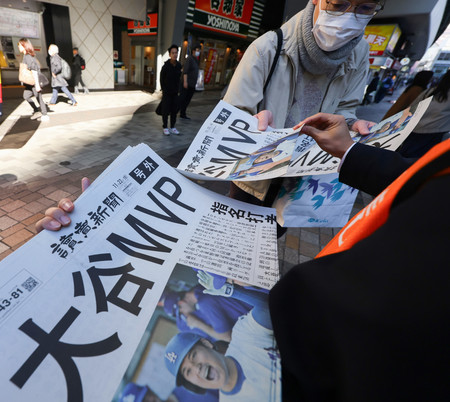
point(312, 57)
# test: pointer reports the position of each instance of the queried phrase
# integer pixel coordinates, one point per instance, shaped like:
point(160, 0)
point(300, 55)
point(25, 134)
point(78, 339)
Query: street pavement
point(42, 162)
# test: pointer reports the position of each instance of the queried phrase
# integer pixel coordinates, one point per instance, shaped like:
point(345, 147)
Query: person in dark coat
point(190, 75)
point(58, 81)
point(78, 65)
point(367, 319)
point(170, 81)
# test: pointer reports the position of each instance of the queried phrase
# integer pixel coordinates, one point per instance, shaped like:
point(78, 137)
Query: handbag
point(25, 75)
point(158, 110)
point(43, 80)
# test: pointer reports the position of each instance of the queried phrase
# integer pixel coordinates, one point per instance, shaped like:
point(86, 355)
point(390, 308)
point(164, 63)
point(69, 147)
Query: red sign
point(210, 63)
point(148, 27)
point(226, 16)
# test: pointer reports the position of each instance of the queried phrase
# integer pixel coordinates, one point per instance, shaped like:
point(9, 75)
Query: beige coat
point(344, 93)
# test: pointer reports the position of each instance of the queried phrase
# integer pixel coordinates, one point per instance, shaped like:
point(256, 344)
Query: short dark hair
point(75, 48)
point(173, 46)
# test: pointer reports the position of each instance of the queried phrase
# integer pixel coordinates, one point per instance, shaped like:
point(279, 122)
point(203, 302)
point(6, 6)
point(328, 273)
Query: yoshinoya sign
point(226, 16)
point(148, 27)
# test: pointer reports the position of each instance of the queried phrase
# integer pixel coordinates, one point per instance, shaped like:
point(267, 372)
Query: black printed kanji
point(227, 6)
point(82, 228)
point(102, 298)
point(64, 242)
point(271, 218)
point(240, 213)
point(251, 217)
point(239, 8)
point(62, 352)
point(196, 159)
point(112, 201)
point(207, 140)
point(221, 209)
point(99, 216)
point(215, 5)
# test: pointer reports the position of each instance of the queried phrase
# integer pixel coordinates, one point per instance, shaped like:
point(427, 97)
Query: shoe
point(74, 104)
point(44, 118)
point(35, 115)
point(166, 131)
point(51, 104)
point(173, 130)
point(185, 117)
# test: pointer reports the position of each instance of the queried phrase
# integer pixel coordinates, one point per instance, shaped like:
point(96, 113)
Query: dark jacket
point(371, 323)
point(76, 63)
point(191, 69)
point(56, 68)
point(170, 78)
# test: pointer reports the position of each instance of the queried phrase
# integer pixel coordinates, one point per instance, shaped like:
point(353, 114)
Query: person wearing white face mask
point(323, 67)
point(190, 75)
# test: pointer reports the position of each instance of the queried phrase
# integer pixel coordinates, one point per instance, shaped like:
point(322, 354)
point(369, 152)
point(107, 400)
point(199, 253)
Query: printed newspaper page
point(229, 147)
point(78, 308)
point(309, 159)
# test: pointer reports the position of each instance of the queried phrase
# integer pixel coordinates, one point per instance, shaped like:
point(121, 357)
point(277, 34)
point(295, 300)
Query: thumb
point(262, 122)
point(85, 183)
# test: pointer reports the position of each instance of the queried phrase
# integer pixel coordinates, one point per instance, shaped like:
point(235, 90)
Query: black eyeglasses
point(364, 10)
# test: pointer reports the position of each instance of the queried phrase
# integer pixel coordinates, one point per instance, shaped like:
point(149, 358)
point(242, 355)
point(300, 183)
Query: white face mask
point(197, 53)
point(332, 32)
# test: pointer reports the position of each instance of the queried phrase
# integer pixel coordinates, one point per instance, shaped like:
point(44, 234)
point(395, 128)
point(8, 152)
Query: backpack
point(82, 63)
point(65, 69)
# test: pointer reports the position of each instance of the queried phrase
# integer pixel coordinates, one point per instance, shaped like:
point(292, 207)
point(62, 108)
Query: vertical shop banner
point(210, 63)
point(226, 16)
point(148, 27)
point(379, 38)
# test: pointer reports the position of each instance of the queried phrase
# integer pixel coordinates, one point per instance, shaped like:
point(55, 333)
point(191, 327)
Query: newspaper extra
point(228, 146)
point(76, 304)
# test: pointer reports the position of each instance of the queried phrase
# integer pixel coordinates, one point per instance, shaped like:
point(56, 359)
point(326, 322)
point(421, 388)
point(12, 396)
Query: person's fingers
point(47, 223)
point(85, 183)
point(65, 204)
point(265, 119)
point(59, 215)
point(310, 130)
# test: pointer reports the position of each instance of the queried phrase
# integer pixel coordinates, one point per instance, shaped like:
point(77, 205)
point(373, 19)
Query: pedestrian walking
point(58, 80)
point(32, 88)
point(78, 65)
point(385, 86)
point(169, 79)
point(190, 76)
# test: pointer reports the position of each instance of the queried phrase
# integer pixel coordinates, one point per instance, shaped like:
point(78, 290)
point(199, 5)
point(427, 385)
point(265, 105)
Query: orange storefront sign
point(226, 16)
point(148, 27)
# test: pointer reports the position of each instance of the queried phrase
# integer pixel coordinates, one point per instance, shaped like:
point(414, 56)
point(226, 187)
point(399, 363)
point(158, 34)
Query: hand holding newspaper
point(85, 310)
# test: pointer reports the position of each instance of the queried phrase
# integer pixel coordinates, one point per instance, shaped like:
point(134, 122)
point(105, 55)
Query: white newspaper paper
point(74, 304)
point(228, 146)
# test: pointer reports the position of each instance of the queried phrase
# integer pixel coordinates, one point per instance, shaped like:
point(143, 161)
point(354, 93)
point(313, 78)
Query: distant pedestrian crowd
point(61, 72)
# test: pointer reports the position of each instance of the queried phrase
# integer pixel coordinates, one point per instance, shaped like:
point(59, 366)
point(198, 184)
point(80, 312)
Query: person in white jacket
point(323, 67)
